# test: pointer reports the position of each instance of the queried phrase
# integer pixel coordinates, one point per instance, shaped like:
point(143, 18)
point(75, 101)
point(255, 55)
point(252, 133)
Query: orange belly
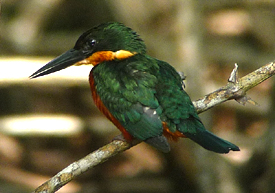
point(169, 134)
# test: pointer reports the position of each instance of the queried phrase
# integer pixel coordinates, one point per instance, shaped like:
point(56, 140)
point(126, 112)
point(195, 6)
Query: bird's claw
point(120, 137)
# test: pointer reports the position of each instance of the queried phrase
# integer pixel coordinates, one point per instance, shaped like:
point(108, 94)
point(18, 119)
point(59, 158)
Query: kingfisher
point(141, 95)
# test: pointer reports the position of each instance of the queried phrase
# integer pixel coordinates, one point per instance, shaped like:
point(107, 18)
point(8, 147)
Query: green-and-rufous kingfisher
point(141, 95)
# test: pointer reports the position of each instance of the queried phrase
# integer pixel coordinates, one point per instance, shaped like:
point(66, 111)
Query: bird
point(142, 96)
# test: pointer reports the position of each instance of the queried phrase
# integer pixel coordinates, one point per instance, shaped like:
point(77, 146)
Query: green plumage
point(140, 92)
point(142, 82)
point(137, 89)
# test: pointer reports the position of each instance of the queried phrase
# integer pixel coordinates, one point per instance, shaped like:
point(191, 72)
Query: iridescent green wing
point(180, 114)
point(127, 89)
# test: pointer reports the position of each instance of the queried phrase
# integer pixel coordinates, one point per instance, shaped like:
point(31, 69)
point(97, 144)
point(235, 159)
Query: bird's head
point(108, 41)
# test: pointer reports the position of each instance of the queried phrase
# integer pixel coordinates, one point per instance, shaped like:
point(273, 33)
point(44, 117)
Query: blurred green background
point(49, 122)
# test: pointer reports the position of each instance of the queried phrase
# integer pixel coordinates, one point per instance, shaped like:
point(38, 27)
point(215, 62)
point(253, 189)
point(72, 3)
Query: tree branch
point(235, 89)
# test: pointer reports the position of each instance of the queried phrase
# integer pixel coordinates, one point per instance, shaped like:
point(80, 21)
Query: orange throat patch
point(102, 56)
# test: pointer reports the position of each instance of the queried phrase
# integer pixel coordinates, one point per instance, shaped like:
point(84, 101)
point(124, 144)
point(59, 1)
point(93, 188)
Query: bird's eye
point(92, 43)
point(88, 46)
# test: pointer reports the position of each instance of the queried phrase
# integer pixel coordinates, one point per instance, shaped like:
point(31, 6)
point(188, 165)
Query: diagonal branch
point(235, 89)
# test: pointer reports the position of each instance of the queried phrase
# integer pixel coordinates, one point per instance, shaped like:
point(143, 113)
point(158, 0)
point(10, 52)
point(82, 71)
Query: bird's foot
point(120, 137)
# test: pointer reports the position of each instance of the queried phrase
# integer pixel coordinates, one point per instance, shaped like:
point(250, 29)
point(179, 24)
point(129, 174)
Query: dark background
point(47, 123)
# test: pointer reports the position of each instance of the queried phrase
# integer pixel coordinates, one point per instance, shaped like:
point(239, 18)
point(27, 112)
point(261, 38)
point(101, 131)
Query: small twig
point(235, 89)
point(234, 75)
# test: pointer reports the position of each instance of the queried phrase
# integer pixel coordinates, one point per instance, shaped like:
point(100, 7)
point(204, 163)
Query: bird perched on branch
point(141, 95)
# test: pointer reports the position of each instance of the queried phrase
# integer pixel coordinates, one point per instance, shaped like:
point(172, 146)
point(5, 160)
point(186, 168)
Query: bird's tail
point(212, 142)
point(195, 130)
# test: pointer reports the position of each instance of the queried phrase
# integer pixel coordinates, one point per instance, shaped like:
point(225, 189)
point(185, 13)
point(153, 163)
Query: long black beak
point(65, 60)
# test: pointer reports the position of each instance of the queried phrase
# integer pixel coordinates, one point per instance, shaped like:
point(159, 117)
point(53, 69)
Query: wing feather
point(132, 100)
